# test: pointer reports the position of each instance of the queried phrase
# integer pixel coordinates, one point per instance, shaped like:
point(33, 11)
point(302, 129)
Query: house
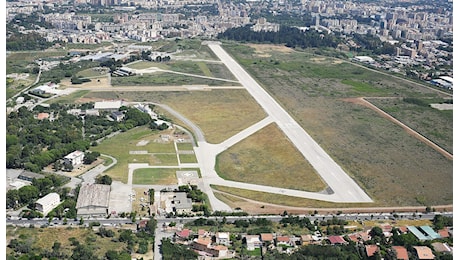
point(184, 234)
point(442, 248)
point(201, 244)
point(306, 240)
point(93, 200)
point(282, 240)
point(42, 116)
point(401, 252)
point(266, 238)
point(359, 236)
point(142, 224)
point(252, 242)
point(223, 238)
point(47, 203)
point(176, 202)
point(444, 233)
point(218, 251)
point(424, 252)
point(371, 250)
point(74, 158)
point(336, 240)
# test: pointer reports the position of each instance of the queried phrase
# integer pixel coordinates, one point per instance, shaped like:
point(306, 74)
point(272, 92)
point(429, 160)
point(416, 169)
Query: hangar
point(93, 200)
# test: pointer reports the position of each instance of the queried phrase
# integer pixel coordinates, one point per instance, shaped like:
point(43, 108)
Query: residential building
point(252, 242)
point(401, 252)
point(424, 252)
point(371, 250)
point(223, 238)
point(74, 158)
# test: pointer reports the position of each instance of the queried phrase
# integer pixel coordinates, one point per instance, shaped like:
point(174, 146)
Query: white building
point(74, 158)
point(108, 105)
point(47, 203)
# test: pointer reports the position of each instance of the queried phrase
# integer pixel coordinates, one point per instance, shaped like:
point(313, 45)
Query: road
point(343, 187)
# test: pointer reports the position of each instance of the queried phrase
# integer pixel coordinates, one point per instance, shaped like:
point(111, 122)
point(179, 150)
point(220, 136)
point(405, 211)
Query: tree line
point(289, 36)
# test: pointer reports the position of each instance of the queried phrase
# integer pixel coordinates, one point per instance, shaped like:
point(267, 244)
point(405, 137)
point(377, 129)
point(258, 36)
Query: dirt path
point(364, 102)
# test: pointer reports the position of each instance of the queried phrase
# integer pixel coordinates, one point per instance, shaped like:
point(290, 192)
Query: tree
point(104, 179)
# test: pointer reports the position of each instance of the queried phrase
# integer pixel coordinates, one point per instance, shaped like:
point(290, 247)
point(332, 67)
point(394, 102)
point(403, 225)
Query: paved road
point(344, 188)
point(90, 175)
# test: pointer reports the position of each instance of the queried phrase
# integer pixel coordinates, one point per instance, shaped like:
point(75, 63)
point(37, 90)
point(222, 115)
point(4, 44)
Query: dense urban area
point(61, 204)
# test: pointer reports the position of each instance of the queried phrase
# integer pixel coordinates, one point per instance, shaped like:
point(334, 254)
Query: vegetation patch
point(187, 158)
point(361, 87)
point(268, 158)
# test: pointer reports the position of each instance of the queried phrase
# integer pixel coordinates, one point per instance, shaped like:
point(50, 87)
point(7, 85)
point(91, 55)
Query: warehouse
point(93, 200)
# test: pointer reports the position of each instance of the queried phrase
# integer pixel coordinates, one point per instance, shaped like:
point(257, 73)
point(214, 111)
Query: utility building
point(47, 203)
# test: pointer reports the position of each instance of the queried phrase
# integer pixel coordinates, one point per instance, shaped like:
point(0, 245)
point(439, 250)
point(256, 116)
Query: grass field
point(187, 158)
point(166, 79)
point(268, 158)
point(155, 176)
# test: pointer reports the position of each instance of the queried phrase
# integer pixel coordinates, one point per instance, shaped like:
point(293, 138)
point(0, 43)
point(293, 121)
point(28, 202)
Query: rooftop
point(93, 195)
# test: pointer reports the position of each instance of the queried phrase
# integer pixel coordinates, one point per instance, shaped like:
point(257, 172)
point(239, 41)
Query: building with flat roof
point(108, 105)
point(47, 203)
point(30, 176)
point(93, 200)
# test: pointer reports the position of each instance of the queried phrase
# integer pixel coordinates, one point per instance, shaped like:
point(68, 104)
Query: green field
point(187, 158)
point(155, 176)
point(130, 141)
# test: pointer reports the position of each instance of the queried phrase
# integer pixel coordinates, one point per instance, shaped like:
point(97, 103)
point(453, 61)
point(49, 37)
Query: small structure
point(443, 248)
point(424, 252)
point(283, 240)
point(74, 158)
point(365, 59)
point(47, 203)
point(30, 176)
point(93, 200)
point(401, 252)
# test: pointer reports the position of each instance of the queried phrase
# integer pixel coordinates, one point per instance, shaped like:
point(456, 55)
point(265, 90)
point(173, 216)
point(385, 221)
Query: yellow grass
point(268, 158)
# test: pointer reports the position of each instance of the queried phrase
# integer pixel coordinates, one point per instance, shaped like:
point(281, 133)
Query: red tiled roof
point(371, 249)
point(444, 233)
point(41, 116)
point(336, 240)
point(403, 229)
point(266, 237)
point(282, 239)
point(184, 233)
point(401, 252)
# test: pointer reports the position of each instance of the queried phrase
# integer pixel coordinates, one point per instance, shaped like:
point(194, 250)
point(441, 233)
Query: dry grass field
point(268, 158)
point(219, 113)
point(393, 167)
